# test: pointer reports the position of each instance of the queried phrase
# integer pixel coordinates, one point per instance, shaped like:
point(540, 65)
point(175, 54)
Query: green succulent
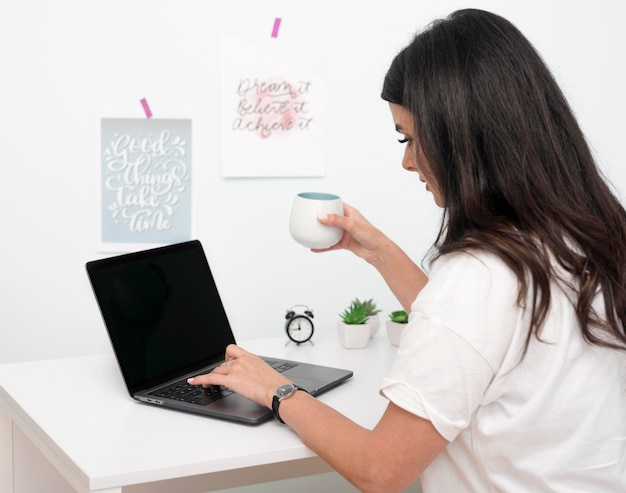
point(399, 316)
point(370, 307)
point(355, 314)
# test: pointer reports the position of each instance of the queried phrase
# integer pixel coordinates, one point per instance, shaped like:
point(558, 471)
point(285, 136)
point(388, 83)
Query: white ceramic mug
point(303, 224)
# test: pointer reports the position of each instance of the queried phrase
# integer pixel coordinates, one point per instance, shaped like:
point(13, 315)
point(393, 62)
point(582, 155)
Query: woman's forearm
point(379, 460)
point(403, 276)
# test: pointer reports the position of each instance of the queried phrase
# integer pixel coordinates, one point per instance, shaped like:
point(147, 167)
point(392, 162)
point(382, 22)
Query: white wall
point(63, 62)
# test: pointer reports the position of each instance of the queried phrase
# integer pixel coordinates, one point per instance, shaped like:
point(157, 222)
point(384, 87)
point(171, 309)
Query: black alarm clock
point(299, 326)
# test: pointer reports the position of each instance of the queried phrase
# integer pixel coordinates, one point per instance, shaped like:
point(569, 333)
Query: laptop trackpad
point(237, 405)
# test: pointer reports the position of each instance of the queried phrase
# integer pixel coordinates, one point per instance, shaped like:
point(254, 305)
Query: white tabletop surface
point(79, 408)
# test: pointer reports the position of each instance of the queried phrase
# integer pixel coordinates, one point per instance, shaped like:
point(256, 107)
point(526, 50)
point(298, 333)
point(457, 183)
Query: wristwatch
point(282, 392)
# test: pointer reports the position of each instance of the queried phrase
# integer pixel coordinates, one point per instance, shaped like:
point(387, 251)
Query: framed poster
point(273, 103)
point(145, 182)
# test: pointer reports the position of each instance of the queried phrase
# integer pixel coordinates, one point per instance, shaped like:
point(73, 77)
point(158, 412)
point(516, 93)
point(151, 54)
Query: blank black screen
point(162, 311)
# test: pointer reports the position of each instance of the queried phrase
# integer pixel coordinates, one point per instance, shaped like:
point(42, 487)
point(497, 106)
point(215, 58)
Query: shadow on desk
point(330, 482)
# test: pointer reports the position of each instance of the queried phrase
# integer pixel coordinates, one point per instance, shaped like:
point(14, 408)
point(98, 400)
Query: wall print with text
point(273, 103)
point(145, 182)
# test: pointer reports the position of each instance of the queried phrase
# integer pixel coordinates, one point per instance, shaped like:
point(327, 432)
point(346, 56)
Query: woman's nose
point(408, 160)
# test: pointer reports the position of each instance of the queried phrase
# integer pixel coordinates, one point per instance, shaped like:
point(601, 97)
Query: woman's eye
point(404, 140)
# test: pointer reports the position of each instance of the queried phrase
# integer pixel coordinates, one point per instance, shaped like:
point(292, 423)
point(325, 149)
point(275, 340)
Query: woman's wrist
point(403, 276)
point(382, 256)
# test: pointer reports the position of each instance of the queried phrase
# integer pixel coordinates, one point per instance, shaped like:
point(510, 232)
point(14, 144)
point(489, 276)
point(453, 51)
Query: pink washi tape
point(146, 108)
point(276, 27)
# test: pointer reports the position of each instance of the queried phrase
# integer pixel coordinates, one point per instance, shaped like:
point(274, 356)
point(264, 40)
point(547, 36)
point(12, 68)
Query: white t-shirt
point(554, 421)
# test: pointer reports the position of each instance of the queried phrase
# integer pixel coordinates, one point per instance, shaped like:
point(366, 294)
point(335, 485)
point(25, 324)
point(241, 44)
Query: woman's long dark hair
point(515, 171)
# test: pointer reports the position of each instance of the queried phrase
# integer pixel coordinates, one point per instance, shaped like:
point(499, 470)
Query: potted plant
point(353, 328)
point(372, 311)
point(395, 325)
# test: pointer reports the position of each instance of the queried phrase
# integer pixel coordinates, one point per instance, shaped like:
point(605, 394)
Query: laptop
point(166, 323)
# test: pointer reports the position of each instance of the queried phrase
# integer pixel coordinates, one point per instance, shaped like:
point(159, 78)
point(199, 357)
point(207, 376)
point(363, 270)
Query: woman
point(511, 375)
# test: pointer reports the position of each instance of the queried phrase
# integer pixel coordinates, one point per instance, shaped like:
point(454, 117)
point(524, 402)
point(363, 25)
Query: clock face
point(299, 328)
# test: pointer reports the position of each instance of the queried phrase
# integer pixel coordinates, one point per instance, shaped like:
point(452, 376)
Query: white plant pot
point(394, 330)
point(374, 322)
point(353, 336)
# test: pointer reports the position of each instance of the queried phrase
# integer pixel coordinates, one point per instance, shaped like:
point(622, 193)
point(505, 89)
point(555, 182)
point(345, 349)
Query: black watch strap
point(276, 403)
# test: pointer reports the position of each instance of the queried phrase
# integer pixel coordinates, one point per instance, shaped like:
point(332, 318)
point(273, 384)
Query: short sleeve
point(460, 330)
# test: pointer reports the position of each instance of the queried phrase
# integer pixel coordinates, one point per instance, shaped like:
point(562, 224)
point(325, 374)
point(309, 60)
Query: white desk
point(101, 440)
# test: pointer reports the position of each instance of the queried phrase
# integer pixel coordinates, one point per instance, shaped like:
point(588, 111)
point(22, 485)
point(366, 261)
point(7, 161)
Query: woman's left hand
point(246, 374)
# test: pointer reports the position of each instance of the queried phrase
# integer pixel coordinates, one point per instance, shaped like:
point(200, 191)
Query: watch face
point(285, 390)
point(299, 328)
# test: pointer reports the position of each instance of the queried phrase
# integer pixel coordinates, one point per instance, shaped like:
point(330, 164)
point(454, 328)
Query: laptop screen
point(162, 311)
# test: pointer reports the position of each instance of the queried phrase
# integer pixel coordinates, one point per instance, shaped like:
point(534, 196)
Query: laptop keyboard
point(197, 394)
